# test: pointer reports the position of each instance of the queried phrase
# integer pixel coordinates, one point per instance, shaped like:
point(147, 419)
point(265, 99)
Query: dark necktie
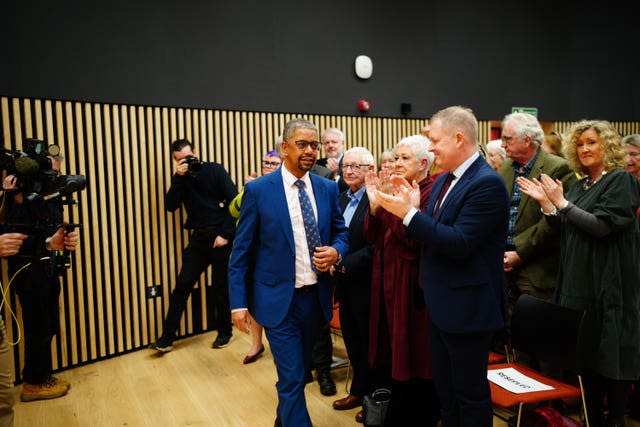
point(310, 225)
point(445, 188)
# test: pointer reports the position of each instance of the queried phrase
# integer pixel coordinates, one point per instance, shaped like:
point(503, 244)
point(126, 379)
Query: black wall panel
point(569, 59)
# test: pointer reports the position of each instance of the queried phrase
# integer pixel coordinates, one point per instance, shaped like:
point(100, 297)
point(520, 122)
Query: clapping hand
point(371, 182)
point(250, 177)
point(532, 188)
point(546, 191)
point(333, 164)
point(400, 203)
point(553, 189)
point(400, 185)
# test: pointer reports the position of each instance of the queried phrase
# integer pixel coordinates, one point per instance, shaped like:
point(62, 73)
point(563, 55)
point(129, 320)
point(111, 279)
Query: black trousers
point(322, 355)
point(459, 362)
point(39, 295)
point(196, 258)
point(354, 319)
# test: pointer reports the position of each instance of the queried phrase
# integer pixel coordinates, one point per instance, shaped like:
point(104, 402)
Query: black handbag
point(376, 407)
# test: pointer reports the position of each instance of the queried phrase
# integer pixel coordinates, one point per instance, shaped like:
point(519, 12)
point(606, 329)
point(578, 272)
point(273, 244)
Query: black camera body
point(193, 164)
point(44, 191)
point(35, 177)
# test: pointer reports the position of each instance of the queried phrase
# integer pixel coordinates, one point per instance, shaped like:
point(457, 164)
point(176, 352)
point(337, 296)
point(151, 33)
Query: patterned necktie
point(310, 226)
point(445, 188)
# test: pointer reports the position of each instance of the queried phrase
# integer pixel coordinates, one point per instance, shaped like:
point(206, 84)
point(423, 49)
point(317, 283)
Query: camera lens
point(193, 163)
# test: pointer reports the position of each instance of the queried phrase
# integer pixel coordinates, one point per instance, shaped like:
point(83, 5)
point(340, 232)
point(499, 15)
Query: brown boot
point(57, 380)
point(50, 389)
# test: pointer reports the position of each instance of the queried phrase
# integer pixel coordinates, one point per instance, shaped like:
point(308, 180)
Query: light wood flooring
point(193, 385)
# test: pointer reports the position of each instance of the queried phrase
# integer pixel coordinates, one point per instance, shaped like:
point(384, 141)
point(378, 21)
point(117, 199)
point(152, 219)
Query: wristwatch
point(338, 262)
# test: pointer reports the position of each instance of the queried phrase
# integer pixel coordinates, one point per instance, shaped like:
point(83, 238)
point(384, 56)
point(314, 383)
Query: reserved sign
point(515, 381)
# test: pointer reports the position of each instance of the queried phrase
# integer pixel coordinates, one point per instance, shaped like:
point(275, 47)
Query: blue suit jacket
point(464, 282)
point(263, 255)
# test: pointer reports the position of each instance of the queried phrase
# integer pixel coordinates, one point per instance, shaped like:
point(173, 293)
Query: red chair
point(558, 335)
point(334, 324)
point(495, 357)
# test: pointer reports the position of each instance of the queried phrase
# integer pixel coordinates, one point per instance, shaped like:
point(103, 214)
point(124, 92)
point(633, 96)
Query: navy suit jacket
point(264, 247)
point(356, 284)
point(462, 255)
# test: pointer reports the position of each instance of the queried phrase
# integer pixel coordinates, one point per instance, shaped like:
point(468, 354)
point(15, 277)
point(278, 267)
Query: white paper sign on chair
point(514, 381)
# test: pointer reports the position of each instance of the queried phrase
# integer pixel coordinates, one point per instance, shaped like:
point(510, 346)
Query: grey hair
point(525, 125)
point(419, 146)
point(365, 155)
point(297, 123)
point(333, 130)
point(495, 146)
point(633, 139)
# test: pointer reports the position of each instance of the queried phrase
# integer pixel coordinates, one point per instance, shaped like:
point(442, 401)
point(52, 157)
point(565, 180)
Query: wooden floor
point(193, 385)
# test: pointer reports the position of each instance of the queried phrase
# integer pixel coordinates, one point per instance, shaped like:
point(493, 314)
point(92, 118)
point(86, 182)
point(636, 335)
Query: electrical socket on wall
point(154, 291)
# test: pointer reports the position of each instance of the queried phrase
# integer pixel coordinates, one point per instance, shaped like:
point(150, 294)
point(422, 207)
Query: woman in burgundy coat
point(398, 333)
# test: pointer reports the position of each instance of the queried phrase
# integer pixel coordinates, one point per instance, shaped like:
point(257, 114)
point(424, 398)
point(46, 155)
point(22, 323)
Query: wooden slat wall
point(624, 128)
point(128, 240)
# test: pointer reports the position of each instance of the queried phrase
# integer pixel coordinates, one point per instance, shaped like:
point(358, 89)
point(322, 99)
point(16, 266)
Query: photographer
point(205, 190)
point(37, 284)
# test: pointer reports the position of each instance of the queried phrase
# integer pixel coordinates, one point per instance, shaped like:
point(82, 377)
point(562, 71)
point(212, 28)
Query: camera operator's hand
point(60, 240)
point(219, 242)
point(10, 183)
point(182, 167)
point(10, 243)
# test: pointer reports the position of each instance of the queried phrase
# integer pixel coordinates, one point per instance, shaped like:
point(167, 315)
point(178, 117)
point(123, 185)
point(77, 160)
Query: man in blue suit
point(278, 272)
point(463, 232)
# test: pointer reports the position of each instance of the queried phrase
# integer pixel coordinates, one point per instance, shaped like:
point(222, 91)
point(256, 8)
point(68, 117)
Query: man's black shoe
point(327, 386)
point(221, 341)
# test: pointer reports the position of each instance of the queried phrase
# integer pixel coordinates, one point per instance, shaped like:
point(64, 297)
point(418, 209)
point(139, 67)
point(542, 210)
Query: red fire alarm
point(364, 106)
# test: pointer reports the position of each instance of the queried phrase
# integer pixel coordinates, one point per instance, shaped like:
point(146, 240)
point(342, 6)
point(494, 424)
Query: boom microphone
point(25, 165)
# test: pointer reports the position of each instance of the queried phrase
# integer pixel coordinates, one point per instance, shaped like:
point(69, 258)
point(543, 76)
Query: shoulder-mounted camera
point(36, 176)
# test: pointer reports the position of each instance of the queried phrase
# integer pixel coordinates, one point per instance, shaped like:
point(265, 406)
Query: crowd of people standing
point(426, 253)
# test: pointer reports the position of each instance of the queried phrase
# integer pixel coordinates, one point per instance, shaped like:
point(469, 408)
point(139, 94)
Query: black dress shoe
point(277, 423)
point(327, 386)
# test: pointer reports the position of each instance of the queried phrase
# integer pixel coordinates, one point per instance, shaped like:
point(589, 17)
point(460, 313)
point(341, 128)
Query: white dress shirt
point(304, 273)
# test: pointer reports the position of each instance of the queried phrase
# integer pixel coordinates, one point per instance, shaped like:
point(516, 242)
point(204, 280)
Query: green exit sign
point(529, 110)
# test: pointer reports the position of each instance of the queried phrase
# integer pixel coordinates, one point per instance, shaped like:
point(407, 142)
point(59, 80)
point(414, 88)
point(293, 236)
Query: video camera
point(39, 183)
point(35, 177)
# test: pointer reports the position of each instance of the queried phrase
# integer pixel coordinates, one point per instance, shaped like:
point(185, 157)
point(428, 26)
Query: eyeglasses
point(354, 167)
point(506, 139)
point(302, 145)
point(267, 164)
